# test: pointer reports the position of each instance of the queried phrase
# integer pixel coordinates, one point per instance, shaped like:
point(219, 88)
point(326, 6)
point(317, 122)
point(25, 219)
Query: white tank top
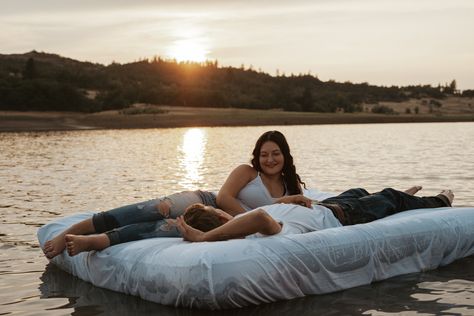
point(255, 194)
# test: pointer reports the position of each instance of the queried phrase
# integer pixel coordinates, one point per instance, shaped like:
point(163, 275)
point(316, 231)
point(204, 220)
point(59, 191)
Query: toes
point(414, 189)
point(417, 188)
point(50, 254)
point(71, 251)
point(448, 192)
point(449, 195)
point(70, 248)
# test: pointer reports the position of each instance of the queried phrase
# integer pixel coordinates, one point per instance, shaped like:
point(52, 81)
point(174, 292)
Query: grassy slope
point(453, 109)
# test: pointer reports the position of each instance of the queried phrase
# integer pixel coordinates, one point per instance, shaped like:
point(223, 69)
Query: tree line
point(46, 82)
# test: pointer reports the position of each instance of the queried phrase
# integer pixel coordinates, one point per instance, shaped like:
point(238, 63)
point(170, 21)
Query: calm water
point(47, 175)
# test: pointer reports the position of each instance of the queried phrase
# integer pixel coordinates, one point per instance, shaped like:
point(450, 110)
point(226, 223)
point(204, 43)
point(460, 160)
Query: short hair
point(200, 218)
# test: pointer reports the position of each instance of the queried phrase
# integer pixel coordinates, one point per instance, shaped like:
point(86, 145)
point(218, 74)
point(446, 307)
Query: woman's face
point(271, 158)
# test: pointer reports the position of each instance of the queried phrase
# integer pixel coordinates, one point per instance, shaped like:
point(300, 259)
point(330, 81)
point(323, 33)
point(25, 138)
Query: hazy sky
point(383, 42)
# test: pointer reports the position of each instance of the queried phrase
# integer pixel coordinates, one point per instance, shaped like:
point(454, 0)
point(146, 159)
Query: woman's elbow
point(220, 199)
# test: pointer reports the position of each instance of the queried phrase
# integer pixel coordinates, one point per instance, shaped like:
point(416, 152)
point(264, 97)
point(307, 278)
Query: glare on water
point(191, 155)
point(47, 175)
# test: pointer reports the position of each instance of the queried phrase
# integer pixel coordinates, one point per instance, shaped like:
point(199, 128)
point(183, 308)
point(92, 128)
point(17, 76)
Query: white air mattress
point(242, 272)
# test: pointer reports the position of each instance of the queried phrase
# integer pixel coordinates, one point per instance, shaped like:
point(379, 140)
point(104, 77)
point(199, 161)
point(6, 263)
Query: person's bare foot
point(77, 243)
point(414, 190)
point(449, 195)
point(54, 247)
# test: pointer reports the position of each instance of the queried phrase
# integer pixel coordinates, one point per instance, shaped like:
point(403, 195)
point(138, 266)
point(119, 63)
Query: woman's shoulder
point(246, 170)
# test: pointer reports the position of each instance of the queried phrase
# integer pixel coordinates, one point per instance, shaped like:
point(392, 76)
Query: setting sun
point(189, 49)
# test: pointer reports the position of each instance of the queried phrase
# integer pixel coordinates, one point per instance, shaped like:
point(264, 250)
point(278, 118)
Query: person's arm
point(227, 196)
point(257, 221)
point(299, 199)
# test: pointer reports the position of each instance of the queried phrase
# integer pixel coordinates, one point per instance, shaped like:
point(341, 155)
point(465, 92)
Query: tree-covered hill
point(49, 82)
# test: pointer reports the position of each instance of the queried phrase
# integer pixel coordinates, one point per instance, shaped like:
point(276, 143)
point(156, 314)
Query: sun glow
point(189, 49)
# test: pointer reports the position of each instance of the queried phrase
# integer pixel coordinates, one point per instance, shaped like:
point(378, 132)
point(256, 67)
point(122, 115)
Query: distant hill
point(45, 82)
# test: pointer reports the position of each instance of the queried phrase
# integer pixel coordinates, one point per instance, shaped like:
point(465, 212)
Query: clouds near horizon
point(377, 41)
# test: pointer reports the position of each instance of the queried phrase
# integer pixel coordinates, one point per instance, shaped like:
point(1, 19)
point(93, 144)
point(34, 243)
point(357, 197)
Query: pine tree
point(30, 69)
point(452, 86)
point(307, 101)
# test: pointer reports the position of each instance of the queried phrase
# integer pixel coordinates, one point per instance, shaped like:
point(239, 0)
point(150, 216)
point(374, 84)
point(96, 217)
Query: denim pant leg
point(387, 202)
point(180, 201)
point(142, 230)
point(126, 215)
point(148, 211)
point(352, 193)
point(346, 201)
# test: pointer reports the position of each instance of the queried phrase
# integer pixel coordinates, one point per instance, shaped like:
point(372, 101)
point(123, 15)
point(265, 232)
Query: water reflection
point(192, 151)
point(457, 292)
point(400, 295)
point(47, 175)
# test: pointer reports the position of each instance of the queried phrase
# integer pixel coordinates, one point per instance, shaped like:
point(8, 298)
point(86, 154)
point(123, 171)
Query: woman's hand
point(189, 233)
point(299, 199)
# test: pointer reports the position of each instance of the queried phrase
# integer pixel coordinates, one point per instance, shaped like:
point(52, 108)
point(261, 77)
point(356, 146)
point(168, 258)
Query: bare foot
point(414, 190)
point(54, 247)
point(449, 195)
point(76, 243)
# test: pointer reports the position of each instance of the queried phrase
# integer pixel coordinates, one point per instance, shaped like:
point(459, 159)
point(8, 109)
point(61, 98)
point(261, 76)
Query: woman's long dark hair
point(290, 177)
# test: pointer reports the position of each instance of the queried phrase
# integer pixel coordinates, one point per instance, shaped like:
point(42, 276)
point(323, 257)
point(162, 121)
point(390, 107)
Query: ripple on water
point(46, 175)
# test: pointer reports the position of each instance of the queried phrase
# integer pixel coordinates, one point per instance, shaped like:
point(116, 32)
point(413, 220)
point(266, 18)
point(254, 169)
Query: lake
point(50, 174)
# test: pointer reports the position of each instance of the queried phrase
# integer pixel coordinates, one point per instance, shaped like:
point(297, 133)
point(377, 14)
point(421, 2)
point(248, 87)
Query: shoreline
point(172, 117)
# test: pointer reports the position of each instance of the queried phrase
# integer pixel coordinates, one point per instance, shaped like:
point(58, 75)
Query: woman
point(272, 178)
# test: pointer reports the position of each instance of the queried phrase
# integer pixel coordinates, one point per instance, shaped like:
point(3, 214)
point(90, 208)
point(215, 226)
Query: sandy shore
point(167, 117)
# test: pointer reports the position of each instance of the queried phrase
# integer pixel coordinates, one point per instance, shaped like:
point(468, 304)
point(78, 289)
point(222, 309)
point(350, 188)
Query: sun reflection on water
point(192, 151)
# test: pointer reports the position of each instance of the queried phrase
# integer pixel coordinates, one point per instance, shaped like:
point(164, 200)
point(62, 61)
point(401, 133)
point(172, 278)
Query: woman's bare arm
point(237, 179)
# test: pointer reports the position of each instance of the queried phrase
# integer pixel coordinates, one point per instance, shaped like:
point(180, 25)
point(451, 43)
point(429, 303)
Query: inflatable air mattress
point(236, 273)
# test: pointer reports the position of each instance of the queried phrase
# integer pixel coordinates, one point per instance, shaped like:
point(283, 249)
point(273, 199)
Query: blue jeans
point(144, 220)
point(360, 207)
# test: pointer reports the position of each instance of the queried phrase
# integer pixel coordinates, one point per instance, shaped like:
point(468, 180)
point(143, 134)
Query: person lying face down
point(355, 206)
